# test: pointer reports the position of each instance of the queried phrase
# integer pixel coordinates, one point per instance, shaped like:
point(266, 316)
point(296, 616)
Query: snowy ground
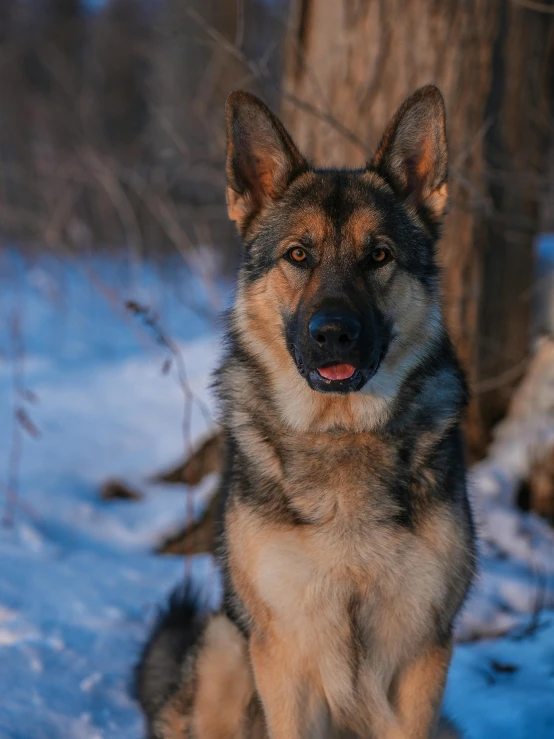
point(78, 582)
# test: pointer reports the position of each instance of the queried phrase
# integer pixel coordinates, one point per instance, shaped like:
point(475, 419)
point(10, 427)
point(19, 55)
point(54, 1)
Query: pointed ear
point(413, 156)
point(261, 158)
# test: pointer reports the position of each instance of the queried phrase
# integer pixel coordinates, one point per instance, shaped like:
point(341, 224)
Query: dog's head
point(337, 293)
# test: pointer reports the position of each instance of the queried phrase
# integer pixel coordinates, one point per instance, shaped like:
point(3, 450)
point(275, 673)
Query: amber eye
point(297, 254)
point(380, 255)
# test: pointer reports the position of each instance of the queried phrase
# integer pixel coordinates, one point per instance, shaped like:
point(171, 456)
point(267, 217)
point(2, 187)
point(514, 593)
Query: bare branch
point(534, 5)
point(21, 421)
point(150, 320)
point(260, 73)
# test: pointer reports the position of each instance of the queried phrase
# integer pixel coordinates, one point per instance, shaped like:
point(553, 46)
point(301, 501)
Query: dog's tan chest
point(308, 576)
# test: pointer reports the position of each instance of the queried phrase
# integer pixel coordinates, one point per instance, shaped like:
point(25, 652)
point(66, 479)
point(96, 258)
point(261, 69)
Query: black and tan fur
point(346, 541)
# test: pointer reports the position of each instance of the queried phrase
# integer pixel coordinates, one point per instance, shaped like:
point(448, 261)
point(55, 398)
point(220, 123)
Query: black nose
point(333, 331)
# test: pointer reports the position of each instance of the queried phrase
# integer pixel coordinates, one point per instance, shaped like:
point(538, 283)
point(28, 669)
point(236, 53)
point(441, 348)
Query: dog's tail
point(195, 672)
point(177, 630)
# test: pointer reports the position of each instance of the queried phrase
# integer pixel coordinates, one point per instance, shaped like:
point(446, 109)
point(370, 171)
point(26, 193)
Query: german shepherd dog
point(346, 538)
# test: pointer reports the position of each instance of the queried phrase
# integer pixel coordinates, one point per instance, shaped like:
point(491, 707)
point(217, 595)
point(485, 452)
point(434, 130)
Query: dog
point(346, 537)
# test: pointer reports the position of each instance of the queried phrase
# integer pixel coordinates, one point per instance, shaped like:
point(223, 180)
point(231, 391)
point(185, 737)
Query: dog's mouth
point(335, 376)
point(337, 372)
point(338, 378)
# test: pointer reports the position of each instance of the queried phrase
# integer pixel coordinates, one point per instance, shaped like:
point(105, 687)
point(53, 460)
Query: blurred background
point(117, 258)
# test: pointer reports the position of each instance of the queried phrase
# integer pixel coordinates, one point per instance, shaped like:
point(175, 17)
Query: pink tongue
point(337, 372)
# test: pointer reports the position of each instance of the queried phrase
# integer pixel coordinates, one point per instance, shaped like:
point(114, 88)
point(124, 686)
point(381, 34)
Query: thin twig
point(239, 35)
point(21, 421)
point(150, 320)
point(260, 73)
point(535, 5)
point(504, 378)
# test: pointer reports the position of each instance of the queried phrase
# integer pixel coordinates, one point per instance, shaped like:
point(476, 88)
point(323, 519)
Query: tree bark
point(350, 63)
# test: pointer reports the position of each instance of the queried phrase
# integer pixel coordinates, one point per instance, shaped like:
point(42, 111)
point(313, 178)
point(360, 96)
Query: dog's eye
point(380, 255)
point(297, 254)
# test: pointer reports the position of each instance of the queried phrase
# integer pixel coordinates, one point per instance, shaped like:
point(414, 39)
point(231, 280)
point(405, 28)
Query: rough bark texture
point(350, 63)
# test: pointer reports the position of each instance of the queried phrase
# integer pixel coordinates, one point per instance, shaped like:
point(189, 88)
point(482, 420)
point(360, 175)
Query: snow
point(504, 688)
point(79, 584)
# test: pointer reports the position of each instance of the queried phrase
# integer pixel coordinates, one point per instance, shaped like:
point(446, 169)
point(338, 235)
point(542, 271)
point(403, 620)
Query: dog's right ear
point(261, 158)
point(413, 156)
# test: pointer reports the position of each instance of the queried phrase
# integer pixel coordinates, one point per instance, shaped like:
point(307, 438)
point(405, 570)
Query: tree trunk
point(350, 63)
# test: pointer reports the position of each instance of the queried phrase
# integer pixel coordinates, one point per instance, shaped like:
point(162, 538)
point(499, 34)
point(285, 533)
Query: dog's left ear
point(412, 155)
point(262, 160)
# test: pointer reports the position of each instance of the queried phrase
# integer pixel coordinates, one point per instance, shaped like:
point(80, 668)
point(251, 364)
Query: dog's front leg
point(419, 692)
point(293, 707)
